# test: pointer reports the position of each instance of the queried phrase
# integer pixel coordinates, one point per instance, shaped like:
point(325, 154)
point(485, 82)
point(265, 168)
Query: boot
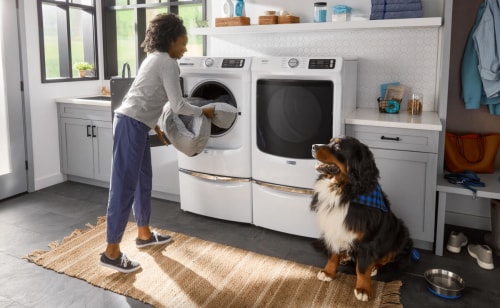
point(493, 238)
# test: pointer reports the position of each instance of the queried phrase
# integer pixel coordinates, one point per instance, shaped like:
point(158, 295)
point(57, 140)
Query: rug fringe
point(390, 295)
point(34, 256)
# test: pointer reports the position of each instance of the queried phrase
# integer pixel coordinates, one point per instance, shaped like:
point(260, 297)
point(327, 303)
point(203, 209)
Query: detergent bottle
point(228, 8)
point(239, 9)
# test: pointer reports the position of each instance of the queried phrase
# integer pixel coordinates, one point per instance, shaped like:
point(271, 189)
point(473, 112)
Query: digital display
point(321, 63)
point(233, 63)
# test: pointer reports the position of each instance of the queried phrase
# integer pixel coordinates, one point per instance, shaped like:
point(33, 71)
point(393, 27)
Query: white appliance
point(217, 182)
point(296, 102)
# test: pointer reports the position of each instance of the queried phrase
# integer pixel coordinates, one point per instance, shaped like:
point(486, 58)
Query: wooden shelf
point(491, 190)
point(429, 22)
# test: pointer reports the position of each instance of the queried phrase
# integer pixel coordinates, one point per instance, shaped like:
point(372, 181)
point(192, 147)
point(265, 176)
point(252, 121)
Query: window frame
point(65, 59)
point(139, 6)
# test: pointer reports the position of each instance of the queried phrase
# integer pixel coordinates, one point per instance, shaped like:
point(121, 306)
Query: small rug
point(190, 272)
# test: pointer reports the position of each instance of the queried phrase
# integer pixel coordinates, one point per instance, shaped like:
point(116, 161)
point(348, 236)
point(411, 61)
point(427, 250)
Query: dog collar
point(374, 199)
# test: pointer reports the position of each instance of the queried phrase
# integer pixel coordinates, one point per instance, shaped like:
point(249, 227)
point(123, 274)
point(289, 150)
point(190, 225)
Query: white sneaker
point(483, 255)
point(456, 241)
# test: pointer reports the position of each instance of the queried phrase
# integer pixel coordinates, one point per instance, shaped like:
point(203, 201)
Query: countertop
point(96, 100)
point(428, 120)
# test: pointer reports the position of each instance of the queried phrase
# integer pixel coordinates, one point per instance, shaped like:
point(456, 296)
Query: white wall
point(304, 9)
point(40, 101)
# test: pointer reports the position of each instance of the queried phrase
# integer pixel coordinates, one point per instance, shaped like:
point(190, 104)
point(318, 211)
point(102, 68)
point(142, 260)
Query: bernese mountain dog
point(354, 214)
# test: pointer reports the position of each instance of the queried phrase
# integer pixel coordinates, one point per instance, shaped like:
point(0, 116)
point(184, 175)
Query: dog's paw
point(323, 277)
point(361, 295)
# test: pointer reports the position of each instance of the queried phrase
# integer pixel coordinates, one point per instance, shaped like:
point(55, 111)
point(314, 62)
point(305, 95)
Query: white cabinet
point(86, 141)
point(165, 172)
point(407, 161)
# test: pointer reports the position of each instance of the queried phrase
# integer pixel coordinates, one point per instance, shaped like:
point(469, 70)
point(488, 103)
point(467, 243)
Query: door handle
point(93, 131)
point(88, 131)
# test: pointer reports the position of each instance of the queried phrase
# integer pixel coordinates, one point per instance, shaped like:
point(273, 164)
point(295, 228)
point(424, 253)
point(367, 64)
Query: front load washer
point(296, 102)
point(217, 182)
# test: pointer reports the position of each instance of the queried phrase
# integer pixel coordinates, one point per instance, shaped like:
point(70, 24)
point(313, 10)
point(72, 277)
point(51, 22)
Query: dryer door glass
point(210, 92)
point(292, 115)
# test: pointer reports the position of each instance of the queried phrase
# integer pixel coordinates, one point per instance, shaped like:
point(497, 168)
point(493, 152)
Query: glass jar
point(341, 13)
point(320, 11)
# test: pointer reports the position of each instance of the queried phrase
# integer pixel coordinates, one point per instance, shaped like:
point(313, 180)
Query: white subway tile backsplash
point(405, 55)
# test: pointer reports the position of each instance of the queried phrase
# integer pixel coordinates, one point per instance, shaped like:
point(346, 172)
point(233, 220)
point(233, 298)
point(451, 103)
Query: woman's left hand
point(209, 111)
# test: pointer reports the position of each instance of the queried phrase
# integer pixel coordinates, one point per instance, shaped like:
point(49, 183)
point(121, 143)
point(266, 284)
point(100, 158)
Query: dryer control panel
point(233, 63)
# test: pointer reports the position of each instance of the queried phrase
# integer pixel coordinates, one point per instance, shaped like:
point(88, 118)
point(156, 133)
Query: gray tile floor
point(31, 221)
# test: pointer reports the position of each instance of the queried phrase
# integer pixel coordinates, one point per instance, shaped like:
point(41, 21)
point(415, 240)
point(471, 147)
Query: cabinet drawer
point(84, 112)
point(395, 138)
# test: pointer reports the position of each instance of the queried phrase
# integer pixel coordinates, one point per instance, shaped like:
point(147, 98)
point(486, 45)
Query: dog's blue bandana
point(373, 199)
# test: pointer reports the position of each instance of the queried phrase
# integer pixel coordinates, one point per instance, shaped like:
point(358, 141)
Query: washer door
point(217, 92)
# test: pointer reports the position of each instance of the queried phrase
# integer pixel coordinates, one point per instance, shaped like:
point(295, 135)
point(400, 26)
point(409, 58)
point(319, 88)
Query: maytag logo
point(291, 162)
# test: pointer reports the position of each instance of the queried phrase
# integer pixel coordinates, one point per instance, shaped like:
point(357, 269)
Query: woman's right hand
point(209, 111)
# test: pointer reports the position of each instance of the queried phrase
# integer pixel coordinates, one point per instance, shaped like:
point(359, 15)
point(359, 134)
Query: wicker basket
point(388, 106)
point(288, 19)
point(232, 21)
point(268, 20)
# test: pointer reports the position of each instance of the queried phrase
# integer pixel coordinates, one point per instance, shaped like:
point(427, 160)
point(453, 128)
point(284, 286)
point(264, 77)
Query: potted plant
point(83, 67)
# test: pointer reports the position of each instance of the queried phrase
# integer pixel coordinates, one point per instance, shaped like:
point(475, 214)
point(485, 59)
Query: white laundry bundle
point(190, 134)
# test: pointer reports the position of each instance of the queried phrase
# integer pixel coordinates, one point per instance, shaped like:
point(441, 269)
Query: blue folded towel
point(396, 15)
point(396, 7)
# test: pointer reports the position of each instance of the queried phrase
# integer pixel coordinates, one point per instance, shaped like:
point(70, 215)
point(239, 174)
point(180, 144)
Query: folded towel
point(396, 15)
point(396, 7)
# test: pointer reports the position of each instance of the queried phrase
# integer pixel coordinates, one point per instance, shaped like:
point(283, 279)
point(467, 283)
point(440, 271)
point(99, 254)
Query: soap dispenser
point(239, 10)
point(228, 8)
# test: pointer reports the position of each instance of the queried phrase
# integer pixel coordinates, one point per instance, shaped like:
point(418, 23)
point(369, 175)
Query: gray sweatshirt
point(156, 83)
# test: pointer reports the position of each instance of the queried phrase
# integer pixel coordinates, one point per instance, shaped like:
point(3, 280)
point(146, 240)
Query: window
point(67, 30)
point(125, 23)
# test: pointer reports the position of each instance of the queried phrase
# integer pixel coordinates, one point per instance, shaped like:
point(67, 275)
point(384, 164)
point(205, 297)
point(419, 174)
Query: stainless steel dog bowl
point(444, 283)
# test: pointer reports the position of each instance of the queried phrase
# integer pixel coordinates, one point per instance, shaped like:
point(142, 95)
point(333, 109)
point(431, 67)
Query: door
point(408, 179)
point(292, 115)
point(77, 153)
point(13, 173)
point(102, 139)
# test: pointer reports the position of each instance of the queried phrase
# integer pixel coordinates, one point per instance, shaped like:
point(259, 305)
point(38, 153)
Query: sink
point(97, 98)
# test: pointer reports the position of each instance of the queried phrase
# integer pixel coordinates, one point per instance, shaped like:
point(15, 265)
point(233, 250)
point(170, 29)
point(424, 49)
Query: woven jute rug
point(190, 272)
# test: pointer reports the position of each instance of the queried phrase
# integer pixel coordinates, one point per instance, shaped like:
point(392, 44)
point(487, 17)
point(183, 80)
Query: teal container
point(239, 9)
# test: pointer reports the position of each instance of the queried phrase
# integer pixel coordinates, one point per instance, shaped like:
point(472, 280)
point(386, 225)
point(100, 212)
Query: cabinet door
point(165, 170)
point(103, 149)
point(77, 156)
point(409, 180)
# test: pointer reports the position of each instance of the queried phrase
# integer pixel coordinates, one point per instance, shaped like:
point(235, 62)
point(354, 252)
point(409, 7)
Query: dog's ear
point(362, 167)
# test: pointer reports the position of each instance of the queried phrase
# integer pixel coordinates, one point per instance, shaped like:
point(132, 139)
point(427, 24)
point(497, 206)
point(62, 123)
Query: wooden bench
point(490, 191)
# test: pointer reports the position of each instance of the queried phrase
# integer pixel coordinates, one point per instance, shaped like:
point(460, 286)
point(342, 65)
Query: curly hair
point(163, 30)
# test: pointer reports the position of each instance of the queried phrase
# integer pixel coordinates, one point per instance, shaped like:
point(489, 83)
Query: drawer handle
point(390, 138)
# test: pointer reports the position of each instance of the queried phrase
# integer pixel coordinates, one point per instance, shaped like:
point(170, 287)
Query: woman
point(156, 83)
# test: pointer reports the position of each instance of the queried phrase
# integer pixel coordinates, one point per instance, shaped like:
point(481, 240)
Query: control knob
point(209, 62)
point(293, 63)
